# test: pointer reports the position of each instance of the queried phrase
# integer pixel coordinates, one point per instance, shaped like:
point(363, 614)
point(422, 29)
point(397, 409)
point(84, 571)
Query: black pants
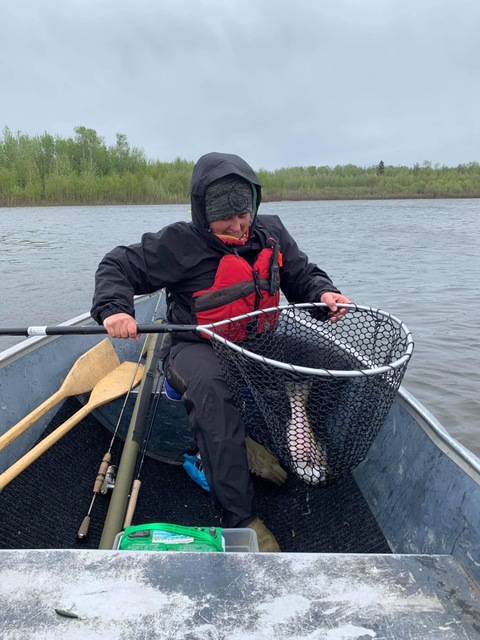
point(194, 371)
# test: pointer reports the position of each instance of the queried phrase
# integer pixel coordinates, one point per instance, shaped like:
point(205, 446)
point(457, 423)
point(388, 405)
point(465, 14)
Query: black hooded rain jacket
point(183, 257)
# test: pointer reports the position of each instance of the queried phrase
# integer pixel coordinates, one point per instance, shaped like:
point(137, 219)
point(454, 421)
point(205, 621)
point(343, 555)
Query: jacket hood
point(209, 168)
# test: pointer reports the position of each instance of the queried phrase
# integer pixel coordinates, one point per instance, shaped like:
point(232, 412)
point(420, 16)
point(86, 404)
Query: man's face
point(235, 226)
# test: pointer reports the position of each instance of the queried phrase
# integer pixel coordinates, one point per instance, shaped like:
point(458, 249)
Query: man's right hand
point(121, 325)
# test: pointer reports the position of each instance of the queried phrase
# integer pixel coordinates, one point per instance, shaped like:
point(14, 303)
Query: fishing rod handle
point(102, 472)
point(83, 530)
point(132, 502)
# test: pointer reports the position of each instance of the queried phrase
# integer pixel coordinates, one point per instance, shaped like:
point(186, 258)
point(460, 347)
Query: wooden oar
point(115, 384)
point(89, 369)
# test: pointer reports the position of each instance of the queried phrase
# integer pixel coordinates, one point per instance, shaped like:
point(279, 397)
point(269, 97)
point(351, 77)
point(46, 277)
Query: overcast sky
point(280, 82)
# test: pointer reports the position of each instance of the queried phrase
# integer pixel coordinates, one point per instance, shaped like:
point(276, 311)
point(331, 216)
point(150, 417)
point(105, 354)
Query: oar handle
point(91, 330)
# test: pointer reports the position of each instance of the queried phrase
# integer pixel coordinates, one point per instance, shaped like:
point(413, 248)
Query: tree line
point(51, 170)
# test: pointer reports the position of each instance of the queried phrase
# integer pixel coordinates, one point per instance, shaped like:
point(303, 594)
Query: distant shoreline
point(291, 198)
point(48, 170)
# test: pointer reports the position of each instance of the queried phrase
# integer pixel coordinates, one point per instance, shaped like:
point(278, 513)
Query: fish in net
point(313, 392)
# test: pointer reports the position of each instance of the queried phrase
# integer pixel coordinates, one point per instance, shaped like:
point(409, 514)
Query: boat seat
point(328, 595)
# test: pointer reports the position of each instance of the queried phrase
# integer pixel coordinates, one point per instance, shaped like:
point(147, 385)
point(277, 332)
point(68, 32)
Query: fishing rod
point(132, 502)
point(105, 478)
point(123, 485)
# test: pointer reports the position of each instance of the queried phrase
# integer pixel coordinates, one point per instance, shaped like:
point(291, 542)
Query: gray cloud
point(281, 83)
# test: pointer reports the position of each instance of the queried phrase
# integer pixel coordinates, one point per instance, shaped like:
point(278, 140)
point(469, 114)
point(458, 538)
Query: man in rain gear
point(227, 261)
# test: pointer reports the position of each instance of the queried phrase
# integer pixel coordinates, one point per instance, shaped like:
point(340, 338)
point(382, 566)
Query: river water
point(417, 259)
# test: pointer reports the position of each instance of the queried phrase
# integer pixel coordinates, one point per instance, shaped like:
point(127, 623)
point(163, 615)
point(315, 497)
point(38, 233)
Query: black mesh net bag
point(313, 392)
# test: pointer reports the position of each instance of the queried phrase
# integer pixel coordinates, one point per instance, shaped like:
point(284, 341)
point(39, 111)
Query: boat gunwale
point(456, 451)
point(29, 344)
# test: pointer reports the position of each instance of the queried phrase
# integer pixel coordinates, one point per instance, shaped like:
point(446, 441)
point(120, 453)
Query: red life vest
point(239, 288)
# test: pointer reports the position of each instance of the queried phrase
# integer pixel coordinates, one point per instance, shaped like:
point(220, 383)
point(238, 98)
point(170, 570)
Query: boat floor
point(44, 506)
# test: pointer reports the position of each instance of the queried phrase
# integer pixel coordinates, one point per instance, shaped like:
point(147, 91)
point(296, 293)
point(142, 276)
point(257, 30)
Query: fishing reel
point(109, 481)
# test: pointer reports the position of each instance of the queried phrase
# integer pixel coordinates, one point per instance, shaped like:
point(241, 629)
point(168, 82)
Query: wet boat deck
point(121, 594)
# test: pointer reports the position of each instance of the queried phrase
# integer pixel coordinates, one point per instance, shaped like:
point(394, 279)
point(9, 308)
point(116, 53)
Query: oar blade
point(116, 384)
point(90, 368)
point(84, 374)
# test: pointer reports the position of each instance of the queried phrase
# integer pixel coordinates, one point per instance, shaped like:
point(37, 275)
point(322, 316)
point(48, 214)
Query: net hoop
point(369, 370)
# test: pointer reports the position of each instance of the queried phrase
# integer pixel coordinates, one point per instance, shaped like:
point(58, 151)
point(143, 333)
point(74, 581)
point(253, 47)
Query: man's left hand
point(332, 299)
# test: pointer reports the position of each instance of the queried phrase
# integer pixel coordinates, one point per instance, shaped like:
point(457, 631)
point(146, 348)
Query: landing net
point(314, 392)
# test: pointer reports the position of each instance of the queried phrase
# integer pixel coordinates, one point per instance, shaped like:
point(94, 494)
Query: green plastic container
point(161, 536)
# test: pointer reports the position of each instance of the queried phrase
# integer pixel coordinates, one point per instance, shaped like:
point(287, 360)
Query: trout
point(309, 458)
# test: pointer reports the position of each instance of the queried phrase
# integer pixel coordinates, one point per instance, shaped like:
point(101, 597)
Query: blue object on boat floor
point(193, 466)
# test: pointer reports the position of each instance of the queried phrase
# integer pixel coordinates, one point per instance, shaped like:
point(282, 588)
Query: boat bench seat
point(236, 594)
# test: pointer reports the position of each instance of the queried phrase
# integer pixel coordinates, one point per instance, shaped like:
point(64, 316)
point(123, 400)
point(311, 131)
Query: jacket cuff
point(110, 311)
